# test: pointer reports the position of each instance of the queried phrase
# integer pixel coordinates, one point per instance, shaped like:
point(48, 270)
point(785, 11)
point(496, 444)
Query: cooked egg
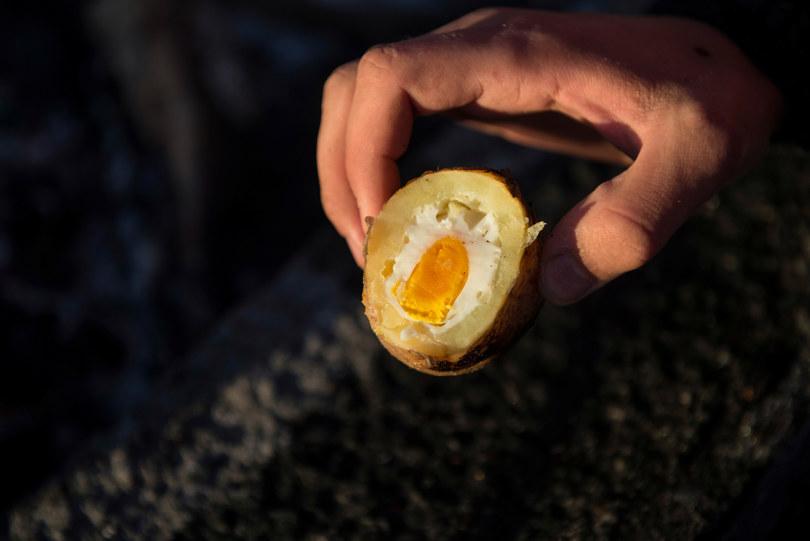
point(452, 270)
point(446, 265)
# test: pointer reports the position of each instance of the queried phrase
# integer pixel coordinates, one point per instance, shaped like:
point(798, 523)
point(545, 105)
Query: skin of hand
point(673, 99)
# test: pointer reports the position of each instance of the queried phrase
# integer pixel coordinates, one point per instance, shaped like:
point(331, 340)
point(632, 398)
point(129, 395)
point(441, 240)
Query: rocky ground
point(671, 405)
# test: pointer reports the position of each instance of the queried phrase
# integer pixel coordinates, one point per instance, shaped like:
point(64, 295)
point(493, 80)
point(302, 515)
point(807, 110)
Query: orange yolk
point(436, 281)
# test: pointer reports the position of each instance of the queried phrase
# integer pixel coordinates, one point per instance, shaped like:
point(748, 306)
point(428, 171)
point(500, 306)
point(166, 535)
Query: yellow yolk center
point(436, 281)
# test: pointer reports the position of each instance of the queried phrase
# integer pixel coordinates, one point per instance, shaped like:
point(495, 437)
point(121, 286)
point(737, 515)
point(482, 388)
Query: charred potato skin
point(514, 318)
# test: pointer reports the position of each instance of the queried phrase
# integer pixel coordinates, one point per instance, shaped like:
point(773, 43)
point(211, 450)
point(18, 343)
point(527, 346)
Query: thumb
point(620, 226)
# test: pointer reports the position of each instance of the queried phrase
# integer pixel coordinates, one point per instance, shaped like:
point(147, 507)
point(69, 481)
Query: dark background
point(157, 173)
point(156, 166)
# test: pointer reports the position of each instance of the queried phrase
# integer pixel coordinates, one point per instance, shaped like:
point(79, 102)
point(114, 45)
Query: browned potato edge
point(514, 318)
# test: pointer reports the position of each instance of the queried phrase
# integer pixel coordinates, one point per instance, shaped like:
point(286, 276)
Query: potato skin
point(514, 318)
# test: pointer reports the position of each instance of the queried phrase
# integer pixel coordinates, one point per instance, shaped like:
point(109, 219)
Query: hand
point(673, 98)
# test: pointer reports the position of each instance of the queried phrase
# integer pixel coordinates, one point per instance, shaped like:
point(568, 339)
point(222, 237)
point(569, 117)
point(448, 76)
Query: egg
point(446, 265)
point(452, 270)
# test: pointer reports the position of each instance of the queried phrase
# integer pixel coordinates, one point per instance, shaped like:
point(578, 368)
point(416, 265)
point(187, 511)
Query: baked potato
point(452, 268)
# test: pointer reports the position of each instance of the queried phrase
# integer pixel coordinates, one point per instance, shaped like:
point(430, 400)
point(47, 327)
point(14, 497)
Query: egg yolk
point(436, 281)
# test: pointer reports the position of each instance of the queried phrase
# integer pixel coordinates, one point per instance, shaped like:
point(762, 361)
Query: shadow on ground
point(185, 360)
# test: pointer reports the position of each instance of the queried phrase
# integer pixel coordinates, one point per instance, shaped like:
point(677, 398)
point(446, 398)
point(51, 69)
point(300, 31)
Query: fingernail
point(565, 280)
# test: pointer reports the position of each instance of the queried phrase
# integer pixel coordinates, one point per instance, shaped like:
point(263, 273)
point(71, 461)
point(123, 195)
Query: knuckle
point(487, 12)
point(381, 58)
point(341, 77)
point(714, 134)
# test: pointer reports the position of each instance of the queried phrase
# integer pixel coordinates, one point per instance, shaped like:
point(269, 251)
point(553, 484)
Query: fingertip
point(355, 239)
point(357, 254)
point(373, 184)
point(565, 280)
point(596, 241)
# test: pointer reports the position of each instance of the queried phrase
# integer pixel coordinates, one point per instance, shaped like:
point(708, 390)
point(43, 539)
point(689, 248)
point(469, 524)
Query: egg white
point(478, 232)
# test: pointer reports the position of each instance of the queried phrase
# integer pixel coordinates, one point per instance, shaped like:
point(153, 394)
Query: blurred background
point(156, 167)
point(157, 173)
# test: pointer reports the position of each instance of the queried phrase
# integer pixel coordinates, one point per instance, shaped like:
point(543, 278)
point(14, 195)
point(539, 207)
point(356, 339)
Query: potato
point(452, 270)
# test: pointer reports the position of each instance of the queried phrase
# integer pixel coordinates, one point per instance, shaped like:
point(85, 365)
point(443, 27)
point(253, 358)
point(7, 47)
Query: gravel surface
point(185, 354)
point(671, 405)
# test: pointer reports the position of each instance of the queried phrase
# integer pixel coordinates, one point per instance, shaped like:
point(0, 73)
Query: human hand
point(673, 98)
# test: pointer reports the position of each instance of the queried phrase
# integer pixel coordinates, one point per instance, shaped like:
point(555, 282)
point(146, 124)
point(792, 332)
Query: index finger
point(337, 198)
point(431, 74)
